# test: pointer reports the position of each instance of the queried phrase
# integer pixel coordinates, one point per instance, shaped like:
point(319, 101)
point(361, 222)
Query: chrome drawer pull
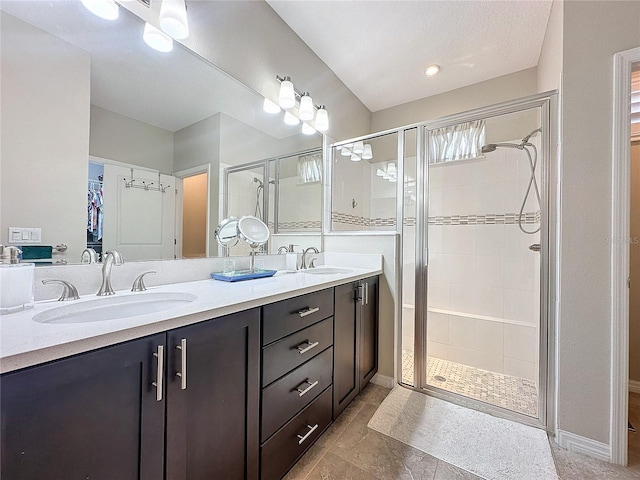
point(305, 436)
point(160, 374)
point(306, 390)
point(183, 363)
point(308, 347)
point(308, 311)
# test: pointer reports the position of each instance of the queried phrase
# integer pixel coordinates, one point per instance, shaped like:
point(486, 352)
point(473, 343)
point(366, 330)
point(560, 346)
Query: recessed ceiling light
point(432, 70)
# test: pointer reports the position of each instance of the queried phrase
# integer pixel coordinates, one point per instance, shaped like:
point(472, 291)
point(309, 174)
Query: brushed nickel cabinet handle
point(306, 435)
point(302, 392)
point(308, 311)
point(160, 373)
point(183, 363)
point(302, 349)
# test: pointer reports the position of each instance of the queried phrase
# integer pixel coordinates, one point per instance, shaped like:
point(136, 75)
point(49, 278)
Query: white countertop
point(25, 342)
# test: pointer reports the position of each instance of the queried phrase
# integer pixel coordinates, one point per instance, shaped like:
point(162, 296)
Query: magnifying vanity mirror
point(112, 145)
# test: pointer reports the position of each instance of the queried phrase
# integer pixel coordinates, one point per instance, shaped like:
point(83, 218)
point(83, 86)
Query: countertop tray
point(243, 275)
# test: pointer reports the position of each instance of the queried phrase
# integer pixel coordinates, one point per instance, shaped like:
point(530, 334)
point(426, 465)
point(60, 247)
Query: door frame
point(182, 174)
point(620, 226)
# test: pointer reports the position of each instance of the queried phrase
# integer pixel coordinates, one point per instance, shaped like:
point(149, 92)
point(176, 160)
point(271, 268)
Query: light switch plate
point(23, 236)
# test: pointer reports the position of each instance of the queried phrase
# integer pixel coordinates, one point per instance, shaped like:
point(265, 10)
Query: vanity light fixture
point(287, 95)
point(107, 9)
point(173, 18)
point(358, 148)
point(367, 154)
point(307, 129)
point(322, 119)
point(270, 107)
point(157, 39)
point(355, 157)
point(431, 70)
point(306, 111)
point(291, 119)
point(346, 150)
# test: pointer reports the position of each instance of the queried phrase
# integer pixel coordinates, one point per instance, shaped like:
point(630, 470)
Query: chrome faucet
point(110, 258)
point(89, 255)
point(304, 257)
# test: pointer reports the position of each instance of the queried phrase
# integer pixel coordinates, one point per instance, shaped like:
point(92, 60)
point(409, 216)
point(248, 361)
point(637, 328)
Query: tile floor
point(349, 450)
point(516, 394)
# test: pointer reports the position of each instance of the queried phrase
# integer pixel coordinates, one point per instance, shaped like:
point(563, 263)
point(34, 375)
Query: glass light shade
point(157, 39)
point(393, 180)
point(346, 150)
point(173, 18)
point(306, 110)
point(322, 119)
point(270, 107)
point(107, 9)
point(308, 129)
point(291, 119)
point(391, 168)
point(368, 153)
point(358, 148)
point(286, 97)
point(380, 173)
point(355, 158)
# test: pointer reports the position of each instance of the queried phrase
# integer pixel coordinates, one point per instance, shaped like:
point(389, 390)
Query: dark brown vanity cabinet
point(297, 376)
point(355, 340)
point(96, 415)
point(101, 415)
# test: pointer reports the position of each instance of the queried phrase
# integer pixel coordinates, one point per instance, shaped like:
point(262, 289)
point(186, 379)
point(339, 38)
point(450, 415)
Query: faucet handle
point(138, 283)
point(89, 255)
point(69, 292)
point(117, 257)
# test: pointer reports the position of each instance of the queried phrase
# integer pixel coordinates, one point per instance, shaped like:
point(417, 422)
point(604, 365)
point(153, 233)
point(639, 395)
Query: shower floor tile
point(513, 393)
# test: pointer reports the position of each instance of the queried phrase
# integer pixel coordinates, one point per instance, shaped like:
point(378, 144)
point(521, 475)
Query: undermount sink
point(327, 270)
point(114, 307)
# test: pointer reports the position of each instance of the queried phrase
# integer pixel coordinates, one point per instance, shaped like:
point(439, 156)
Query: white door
point(138, 222)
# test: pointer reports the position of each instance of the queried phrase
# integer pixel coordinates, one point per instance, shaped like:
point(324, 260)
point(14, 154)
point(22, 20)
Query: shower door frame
point(547, 102)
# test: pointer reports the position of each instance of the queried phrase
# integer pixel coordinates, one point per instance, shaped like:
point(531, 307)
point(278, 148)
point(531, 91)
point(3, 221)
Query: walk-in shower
point(473, 313)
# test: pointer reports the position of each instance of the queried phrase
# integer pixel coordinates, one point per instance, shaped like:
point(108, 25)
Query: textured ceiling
point(380, 49)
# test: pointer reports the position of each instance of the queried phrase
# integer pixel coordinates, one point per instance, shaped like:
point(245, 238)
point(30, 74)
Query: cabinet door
point(369, 331)
point(212, 407)
point(345, 344)
point(94, 415)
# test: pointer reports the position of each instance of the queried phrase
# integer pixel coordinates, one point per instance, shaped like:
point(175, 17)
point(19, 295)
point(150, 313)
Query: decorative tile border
point(315, 224)
point(480, 219)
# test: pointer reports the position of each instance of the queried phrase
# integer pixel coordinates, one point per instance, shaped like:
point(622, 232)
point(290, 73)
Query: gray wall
point(116, 137)
point(45, 136)
point(593, 32)
point(496, 90)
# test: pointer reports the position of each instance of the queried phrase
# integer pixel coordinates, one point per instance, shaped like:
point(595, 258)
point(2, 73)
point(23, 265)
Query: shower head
point(490, 147)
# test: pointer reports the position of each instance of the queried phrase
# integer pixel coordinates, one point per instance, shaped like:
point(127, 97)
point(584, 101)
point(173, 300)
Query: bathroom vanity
point(237, 384)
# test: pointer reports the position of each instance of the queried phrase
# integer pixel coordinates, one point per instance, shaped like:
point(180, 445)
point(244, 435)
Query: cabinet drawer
point(284, 398)
point(288, 316)
point(287, 446)
point(286, 354)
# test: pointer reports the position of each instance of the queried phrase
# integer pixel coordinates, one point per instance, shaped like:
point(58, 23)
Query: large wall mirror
point(109, 144)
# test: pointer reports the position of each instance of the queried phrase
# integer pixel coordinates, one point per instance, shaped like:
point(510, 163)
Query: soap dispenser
point(291, 259)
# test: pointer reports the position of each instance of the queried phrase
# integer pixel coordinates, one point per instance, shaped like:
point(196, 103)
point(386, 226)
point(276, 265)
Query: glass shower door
point(481, 302)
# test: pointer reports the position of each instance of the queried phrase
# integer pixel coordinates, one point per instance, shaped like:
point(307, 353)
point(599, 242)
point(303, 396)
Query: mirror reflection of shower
point(524, 145)
point(258, 210)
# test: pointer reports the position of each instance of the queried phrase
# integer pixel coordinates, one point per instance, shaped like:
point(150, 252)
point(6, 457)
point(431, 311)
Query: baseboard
point(586, 446)
point(383, 381)
point(634, 386)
